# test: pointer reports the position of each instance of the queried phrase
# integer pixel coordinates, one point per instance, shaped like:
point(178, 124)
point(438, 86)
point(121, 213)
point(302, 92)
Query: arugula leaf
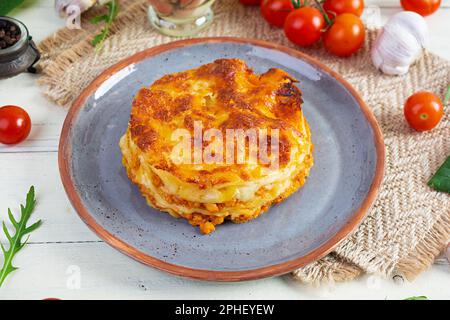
point(417, 298)
point(21, 229)
point(441, 179)
point(108, 19)
point(7, 6)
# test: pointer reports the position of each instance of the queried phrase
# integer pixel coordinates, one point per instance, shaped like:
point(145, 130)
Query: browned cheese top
point(224, 94)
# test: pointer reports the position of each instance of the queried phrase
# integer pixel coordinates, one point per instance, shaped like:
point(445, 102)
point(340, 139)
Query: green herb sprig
point(21, 229)
point(108, 19)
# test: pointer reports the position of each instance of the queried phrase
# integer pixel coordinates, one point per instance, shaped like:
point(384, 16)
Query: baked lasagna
point(218, 143)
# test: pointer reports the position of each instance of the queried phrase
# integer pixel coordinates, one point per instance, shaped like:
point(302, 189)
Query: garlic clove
point(414, 23)
point(386, 66)
point(399, 43)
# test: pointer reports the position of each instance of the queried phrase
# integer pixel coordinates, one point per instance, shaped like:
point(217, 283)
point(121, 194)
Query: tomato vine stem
point(325, 15)
point(296, 3)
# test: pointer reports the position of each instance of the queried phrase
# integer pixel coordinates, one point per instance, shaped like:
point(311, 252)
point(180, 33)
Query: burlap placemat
point(409, 223)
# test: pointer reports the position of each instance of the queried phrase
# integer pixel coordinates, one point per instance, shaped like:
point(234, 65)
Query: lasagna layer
point(221, 95)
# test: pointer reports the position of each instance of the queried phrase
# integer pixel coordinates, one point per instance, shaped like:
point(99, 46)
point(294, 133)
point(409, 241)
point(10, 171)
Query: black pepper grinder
point(18, 52)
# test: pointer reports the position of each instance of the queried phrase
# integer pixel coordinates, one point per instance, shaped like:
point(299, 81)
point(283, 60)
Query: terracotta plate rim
point(64, 154)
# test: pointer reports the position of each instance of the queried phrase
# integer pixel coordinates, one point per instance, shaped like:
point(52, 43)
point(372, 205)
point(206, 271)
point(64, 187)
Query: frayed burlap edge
point(331, 268)
point(426, 251)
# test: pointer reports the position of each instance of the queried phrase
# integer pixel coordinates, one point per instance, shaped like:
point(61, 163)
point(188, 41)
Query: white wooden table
point(65, 259)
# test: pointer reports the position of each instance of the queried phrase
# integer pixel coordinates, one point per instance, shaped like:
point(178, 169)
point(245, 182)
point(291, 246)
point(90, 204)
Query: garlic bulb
point(400, 43)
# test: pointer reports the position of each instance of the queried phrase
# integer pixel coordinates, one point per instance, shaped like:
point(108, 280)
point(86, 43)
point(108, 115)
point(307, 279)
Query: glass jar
point(21, 56)
point(180, 18)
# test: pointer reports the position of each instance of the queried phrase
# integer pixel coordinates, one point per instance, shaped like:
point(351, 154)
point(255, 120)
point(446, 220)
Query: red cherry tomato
point(304, 26)
point(250, 2)
point(423, 111)
point(345, 36)
point(422, 7)
point(276, 11)
point(15, 124)
point(337, 7)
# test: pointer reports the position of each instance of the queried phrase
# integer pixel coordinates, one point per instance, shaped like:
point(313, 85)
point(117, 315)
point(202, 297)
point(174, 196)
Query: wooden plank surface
point(64, 247)
point(96, 271)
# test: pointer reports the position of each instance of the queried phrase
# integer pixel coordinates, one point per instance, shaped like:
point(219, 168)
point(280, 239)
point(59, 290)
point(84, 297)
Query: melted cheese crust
point(224, 94)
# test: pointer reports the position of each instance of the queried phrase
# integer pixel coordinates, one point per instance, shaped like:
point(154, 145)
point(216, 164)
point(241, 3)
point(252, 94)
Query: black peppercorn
point(9, 34)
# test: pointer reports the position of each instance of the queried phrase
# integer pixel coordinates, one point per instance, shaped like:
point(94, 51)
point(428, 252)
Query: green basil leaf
point(441, 180)
point(6, 6)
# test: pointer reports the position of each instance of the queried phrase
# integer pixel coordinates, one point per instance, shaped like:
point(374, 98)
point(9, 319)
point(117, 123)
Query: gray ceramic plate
point(349, 159)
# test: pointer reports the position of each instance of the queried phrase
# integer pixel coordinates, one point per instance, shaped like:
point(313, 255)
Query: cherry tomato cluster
point(337, 22)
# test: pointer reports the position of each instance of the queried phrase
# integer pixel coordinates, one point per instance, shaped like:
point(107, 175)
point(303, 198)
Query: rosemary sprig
point(108, 19)
point(21, 229)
